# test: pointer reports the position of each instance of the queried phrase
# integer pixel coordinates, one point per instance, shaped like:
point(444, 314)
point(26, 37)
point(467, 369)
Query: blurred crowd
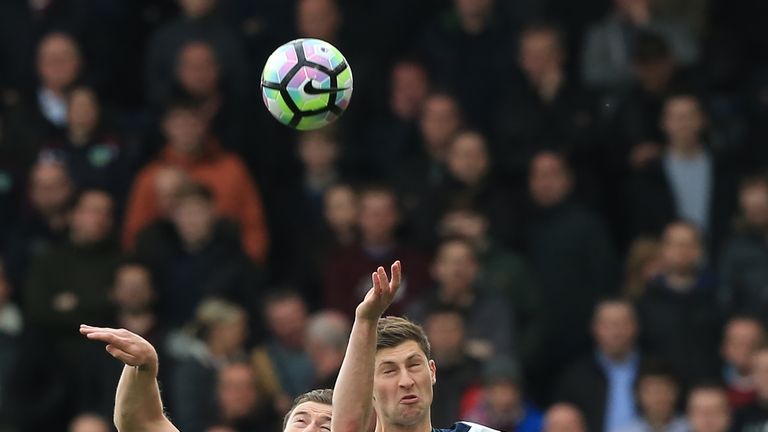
point(578, 191)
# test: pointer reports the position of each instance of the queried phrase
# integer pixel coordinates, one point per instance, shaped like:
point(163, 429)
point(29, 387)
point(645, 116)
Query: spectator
point(563, 417)
point(340, 212)
point(439, 122)
point(502, 404)
point(601, 383)
point(708, 409)
point(300, 202)
point(41, 117)
point(198, 154)
point(93, 154)
point(455, 269)
point(742, 337)
point(319, 152)
point(283, 361)
point(557, 235)
point(347, 277)
point(50, 194)
point(657, 393)
point(220, 329)
point(688, 181)
point(327, 338)
point(395, 135)
point(607, 47)
point(199, 22)
point(197, 255)
point(88, 422)
point(198, 76)
point(679, 316)
point(67, 284)
point(635, 132)
point(546, 110)
point(460, 371)
point(469, 179)
point(743, 278)
point(468, 34)
point(754, 416)
point(241, 403)
point(133, 296)
point(502, 272)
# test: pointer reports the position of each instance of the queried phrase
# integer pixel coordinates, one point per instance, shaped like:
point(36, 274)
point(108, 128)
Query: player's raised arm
point(352, 396)
point(137, 403)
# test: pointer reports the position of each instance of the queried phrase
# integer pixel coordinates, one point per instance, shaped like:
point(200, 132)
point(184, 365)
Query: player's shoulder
point(463, 426)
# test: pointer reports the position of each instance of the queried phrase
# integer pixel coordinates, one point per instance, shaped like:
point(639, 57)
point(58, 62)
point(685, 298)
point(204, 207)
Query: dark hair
point(754, 179)
point(657, 368)
point(322, 396)
point(132, 261)
point(393, 331)
point(443, 309)
point(181, 104)
point(650, 47)
point(380, 189)
point(614, 299)
point(279, 294)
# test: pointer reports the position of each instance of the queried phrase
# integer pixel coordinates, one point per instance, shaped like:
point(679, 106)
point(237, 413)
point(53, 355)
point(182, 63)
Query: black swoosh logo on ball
point(312, 90)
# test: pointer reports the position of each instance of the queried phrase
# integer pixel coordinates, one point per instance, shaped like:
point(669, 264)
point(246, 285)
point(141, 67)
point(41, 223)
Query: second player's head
point(404, 373)
point(310, 411)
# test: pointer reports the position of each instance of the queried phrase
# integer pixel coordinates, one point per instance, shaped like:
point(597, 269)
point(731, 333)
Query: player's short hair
point(393, 331)
point(322, 396)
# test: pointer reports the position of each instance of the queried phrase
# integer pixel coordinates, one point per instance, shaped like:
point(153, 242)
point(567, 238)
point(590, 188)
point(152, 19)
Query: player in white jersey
point(138, 407)
point(387, 358)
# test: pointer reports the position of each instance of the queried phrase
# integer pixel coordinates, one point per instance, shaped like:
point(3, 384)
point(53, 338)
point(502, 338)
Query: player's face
point(402, 385)
point(309, 417)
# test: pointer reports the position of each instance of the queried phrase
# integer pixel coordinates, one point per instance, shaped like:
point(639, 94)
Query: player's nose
point(406, 380)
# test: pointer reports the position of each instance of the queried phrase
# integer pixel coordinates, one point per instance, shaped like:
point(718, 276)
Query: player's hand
point(381, 294)
point(125, 346)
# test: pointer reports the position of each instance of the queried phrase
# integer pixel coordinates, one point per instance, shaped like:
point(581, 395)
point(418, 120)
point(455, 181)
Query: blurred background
point(577, 190)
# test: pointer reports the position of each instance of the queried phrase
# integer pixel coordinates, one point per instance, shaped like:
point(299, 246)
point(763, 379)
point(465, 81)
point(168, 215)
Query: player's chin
point(411, 414)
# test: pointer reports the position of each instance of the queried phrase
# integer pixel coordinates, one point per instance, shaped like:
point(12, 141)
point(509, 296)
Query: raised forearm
point(352, 396)
point(138, 406)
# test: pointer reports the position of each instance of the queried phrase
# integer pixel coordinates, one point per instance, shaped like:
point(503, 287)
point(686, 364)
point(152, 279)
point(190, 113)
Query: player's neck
point(423, 426)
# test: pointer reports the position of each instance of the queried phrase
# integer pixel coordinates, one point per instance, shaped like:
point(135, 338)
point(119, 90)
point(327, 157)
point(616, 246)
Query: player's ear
point(433, 371)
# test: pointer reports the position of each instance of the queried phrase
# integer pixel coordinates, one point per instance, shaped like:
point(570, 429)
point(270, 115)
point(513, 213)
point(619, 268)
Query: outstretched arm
point(353, 394)
point(137, 403)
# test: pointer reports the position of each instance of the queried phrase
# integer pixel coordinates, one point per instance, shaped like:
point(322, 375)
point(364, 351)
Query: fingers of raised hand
point(86, 329)
point(396, 273)
point(123, 356)
point(383, 279)
point(376, 283)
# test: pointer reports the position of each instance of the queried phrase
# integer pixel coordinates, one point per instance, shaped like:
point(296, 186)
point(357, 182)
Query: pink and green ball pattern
point(306, 84)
